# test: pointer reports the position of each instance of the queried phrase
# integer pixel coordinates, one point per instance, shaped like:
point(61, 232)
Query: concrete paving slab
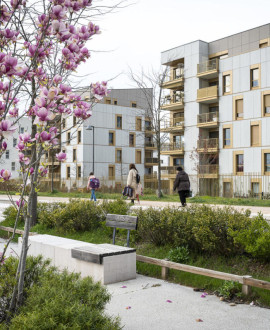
point(143, 305)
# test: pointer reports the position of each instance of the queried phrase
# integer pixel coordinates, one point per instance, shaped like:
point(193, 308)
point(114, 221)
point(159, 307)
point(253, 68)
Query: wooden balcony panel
point(209, 119)
point(208, 69)
point(208, 145)
point(207, 94)
point(172, 149)
point(175, 125)
point(208, 171)
point(173, 102)
point(150, 161)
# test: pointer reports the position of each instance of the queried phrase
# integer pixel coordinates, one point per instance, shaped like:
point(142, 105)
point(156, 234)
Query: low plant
point(230, 289)
point(179, 254)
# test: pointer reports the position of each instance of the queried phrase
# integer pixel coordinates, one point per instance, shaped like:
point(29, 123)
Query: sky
point(135, 36)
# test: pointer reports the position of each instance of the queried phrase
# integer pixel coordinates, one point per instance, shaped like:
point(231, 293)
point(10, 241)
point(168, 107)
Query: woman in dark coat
point(182, 184)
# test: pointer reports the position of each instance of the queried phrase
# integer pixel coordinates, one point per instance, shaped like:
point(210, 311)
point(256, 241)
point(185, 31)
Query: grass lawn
point(241, 265)
point(165, 198)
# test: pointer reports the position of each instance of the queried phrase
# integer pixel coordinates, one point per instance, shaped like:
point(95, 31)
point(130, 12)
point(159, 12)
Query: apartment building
point(117, 134)
point(10, 159)
point(217, 95)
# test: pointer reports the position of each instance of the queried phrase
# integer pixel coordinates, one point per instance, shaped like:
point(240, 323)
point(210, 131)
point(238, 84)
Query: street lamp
point(92, 128)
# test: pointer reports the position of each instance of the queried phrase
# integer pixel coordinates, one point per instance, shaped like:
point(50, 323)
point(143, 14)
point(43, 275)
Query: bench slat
point(122, 221)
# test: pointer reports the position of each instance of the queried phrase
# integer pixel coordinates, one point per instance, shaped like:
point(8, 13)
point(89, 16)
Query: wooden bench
point(122, 221)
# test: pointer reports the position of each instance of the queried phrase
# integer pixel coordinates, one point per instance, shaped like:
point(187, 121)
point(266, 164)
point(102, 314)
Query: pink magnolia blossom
point(25, 137)
point(42, 171)
point(23, 159)
point(20, 146)
point(7, 128)
point(45, 136)
point(61, 156)
point(3, 146)
point(20, 202)
point(43, 115)
point(99, 90)
point(5, 174)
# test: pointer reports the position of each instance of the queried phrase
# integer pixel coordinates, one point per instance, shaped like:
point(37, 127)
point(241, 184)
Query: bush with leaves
point(230, 289)
point(179, 254)
point(115, 207)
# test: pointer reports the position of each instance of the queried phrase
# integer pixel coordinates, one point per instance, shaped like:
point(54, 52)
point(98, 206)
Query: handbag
point(189, 193)
point(128, 192)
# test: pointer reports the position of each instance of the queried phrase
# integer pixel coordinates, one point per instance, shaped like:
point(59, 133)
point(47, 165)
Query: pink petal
point(123, 287)
point(168, 301)
point(128, 307)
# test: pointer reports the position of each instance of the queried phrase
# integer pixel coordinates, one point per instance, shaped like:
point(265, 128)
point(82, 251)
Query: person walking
point(93, 184)
point(132, 181)
point(182, 184)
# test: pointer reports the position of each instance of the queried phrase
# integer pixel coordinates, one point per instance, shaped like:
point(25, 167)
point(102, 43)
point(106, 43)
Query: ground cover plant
point(219, 239)
point(53, 300)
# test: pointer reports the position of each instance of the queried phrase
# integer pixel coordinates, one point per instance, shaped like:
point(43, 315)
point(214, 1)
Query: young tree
point(154, 111)
point(40, 43)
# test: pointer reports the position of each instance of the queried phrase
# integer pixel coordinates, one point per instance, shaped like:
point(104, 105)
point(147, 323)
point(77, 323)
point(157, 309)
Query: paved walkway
point(151, 304)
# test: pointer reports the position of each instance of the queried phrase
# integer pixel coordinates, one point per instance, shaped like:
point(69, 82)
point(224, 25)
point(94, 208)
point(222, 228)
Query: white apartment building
point(117, 134)
point(218, 97)
point(10, 159)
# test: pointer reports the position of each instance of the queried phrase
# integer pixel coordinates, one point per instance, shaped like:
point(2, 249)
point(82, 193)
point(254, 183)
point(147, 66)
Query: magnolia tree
point(40, 43)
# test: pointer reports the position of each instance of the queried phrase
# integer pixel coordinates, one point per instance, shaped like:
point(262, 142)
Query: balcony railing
point(169, 170)
point(56, 176)
point(207, 93)
point(210, 65)
point(206, 144)
point(174, 123)
point(175, 98)
point(150, 160)
point(150, 145)
point(173, 146)
point(152, 176)
point(205, 118)
point(208, 169)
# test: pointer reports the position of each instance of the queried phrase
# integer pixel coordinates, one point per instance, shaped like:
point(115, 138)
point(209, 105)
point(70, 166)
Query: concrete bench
point(105, 263)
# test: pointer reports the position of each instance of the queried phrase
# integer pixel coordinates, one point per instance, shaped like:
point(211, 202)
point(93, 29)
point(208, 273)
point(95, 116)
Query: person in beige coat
point(131, 181)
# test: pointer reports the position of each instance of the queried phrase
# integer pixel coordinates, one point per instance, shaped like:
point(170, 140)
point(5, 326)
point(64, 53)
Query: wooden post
point(164, 272)
point(114, 231)
point(246, 289)
point(128, 234)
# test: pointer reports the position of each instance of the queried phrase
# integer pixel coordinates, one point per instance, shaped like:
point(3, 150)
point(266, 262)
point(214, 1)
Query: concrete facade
point(216, 76)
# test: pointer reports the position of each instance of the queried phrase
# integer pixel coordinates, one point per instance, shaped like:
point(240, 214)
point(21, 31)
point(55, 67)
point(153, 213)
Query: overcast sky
point(135, 36)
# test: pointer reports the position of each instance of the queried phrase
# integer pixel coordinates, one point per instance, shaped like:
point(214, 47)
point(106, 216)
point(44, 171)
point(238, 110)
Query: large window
point(111, 172)
point(7, 154)
point(239, 109)
point(79, 137)
point(178, 162)
point(118, 121)
point(255, 135)
point(118, 155)
point(74, 155)
point(68, 172)
point(254, 78)
point(266, 105)
point(138, 158)
point(240, 163)
point(138, 124)
point(226, 137)
point(79, 171)
point(267, 162)
point(227, 84)
point(13, 166)
point(111, 138)
point(68, 137)
point(132, 140)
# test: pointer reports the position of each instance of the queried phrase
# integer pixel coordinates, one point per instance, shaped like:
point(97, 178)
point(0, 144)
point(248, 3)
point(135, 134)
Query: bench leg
point(128, 235)
point(114, 231)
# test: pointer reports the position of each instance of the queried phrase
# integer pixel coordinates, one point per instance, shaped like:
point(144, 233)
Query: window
point(68, 172)
point(74, 121)
point(64, 123)
point(255, 189)
point(133, 105)
point(111, 139)
point(227, 84)
point(227, 189)
point(118, 121)
point(254, 134)
point(264, 43)
point(132, 140)
point(147, 125)
point(178, 162)
point(7, 154)
point(107, 100)
point(13, 166)
point(74, 155)
point(68, 137)
point(138, 124)
point(111, 172)
point(267, 162)
point(240, 163)
point(226, 137)
point(138, 158)
point(79, 137)
point(239, 109)
point(114, 102)
point(266, 104)
point(14, 142)
point(79, 171)
point(254, 78)
point(21, 130)
point(118, 155)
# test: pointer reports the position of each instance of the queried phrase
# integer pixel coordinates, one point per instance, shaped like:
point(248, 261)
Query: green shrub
point(230, 289)
point(179, 254)
point(254, 238)
point(118, 206)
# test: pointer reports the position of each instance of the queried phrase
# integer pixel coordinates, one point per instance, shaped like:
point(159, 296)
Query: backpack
point(94, 183)
point(138, 178)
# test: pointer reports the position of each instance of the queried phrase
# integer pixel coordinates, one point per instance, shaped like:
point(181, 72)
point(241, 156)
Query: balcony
point(172, 149)
point(208, 171)
point(150, 177)
point(175, 125)
point(174, 80)
point(208, 69)
point(150, 161)
point(149, 130)
point(48, 177)
point(208, 145)
point(173, 102)
point(207, 95)
point(168, 172)
point(150, 145)
point(209, 119)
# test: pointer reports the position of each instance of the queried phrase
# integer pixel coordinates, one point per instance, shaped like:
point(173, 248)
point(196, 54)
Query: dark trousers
point(183, 194)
